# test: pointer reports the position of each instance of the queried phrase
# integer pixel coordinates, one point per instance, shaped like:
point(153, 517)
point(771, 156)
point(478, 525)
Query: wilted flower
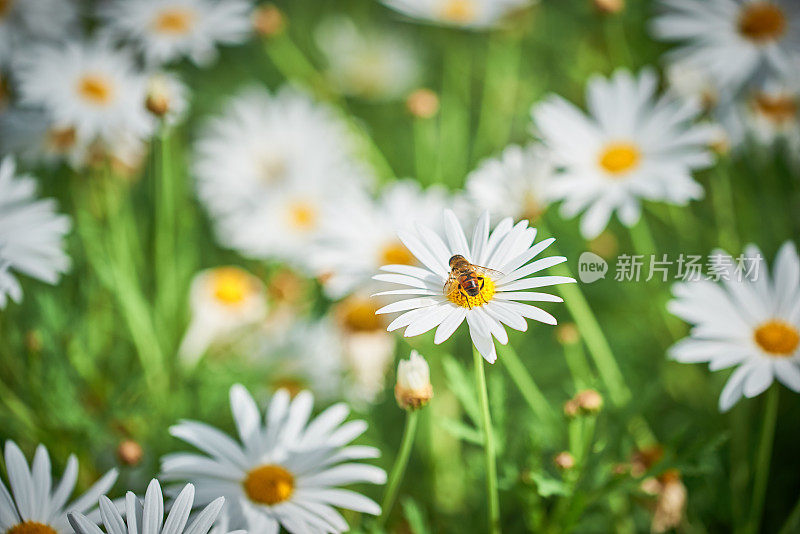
point(671, 501)
point(413, 389)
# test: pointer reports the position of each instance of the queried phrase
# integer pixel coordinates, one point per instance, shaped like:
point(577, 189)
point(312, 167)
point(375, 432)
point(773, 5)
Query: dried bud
point(129, 452)
point(268, 20)
point(158, 99)
point(571, 408)
point(413, 389)
point(609, 6)
point(564, 461)
point(567, 334)
point(671, 503)
point(590, 401)
point(423, 103)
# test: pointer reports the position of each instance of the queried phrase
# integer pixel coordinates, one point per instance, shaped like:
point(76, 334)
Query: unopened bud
point(567, 334)
point(158, 100)
point(609, 6)
point(571, 408)
point(564, 461)
point(268, 20)
point(589, 401)
point(423, 103)
point(413, 389)
point(129, 452)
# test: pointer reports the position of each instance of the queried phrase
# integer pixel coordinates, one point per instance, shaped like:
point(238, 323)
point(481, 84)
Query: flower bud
point(571, 408)
point(413, 389)
point(158, 99)
point(567, 334)
point(564, 461)
point(129, 452)
point(589, 401)
point(423, 103)
point(268, 20)
point(609, 6)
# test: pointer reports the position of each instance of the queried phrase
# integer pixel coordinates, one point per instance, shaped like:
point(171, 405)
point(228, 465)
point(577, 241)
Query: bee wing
point(451, 285)
point(487, 271)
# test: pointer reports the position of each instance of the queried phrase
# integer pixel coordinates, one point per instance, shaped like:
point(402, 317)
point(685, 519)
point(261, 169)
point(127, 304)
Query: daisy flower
point(368, 62)
point(29, 134)
point(632, 146)
point(270, 170)
point(473, 14)
point(736, 41)
point(506, 252)
point(515, 184)
point(223, 301)
point(90, 87)
point(33, 506)
point(31, 234)
point(285, 471)
point(25, 21)
point(750, 321)
point(148, 517)
point(365, 234)
point(166, 30)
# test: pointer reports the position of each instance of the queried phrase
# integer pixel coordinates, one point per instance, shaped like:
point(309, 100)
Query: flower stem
point(488, 445)
point(723, 206)
point(763, 458)
point(793, 521)
point(399, 467)
point(165, 229)
point(524, 382)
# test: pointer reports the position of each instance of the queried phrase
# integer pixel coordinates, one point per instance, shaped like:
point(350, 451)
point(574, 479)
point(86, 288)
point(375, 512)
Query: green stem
point(454, 117)
point(793, 521)
point(488, 445)
point(723, 204)
point(399, 467)
point(524, 382)
point(578, 365)
point(642, 237)
point(165, 229)
point(763, 458)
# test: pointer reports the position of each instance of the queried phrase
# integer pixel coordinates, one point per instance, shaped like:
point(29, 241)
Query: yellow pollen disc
point(174, 21)
point(762, 21)
point(269, 484)
point(618, 158)
point(395, 253)
point(358, 315)
point(96, 89)
point(230, 285)
point(777, 338)
point(459, 11)
point(460, 298)
point(302, 216)
point(31, 527)
point(778, 109)
point(292, 385)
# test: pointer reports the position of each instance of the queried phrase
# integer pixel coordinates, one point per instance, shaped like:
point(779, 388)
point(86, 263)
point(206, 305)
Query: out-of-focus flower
point(148, 517)
point(736, 41)
point(364, 236)
point(89, 87)
point(368, 62)
point(515, 184)
point(23, 22)
point(30, 506)
point(223, 300)
point(271, 169)
point(166, 97)
point(423, 103)
point(268, 20)
point(564, 461)
point(129, 452)
point(413, 389)
point(671, 500)
point(31, 234)
point(473, 14)
point(632, 146)
point(29, 134)
point(285, 472)
point(690, 82)
point(751, 321)
point(609, 6)
point(166, 30)
point(505, 252)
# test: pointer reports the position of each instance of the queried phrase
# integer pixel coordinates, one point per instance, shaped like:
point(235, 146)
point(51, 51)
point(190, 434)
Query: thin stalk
point(723, 206)
point(578, 365)
point(165, 228)
point(763, 458)
point(425, 133)
point(492, 495)
point(399, 467)
point(525, 383)
point(642, 237)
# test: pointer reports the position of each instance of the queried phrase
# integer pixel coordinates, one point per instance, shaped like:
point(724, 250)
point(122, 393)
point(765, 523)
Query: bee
point(466, 278)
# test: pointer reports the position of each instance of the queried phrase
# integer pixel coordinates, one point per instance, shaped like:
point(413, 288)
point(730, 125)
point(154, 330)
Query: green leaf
point(548, 487)
point(461, 431)
point(413, 514)
point(460, 383)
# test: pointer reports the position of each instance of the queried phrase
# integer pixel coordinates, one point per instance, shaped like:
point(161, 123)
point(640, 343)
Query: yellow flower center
point(777, 338)
point(302, 216)
point(269, 484)
point(60, 139)
point(357, 314)
point(460, 11)
point(395, 253)
point(762, 21)
point(292, 385)
point(96, 89)
point(31, 527)
point(461, 298)
point(174, 21)
point(779, 109)
point(231, 285)
point(619, 158)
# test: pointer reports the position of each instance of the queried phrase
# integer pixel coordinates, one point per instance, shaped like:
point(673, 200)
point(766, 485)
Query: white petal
point(450, 324)
point(759, 379)
point(788, 372)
